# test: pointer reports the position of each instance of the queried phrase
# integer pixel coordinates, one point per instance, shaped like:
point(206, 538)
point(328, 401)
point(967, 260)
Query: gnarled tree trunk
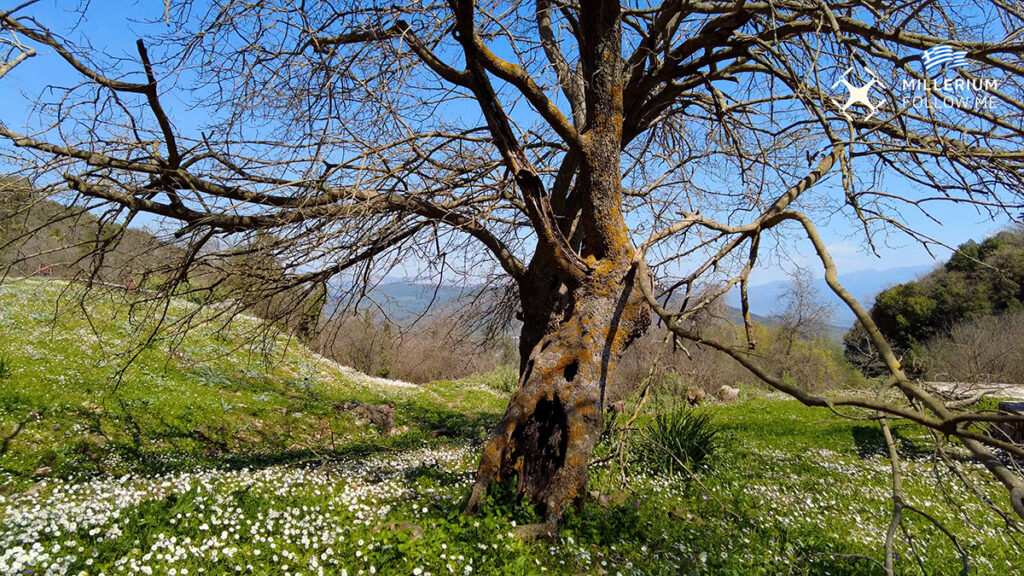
point(582, 304)
point(553, 421)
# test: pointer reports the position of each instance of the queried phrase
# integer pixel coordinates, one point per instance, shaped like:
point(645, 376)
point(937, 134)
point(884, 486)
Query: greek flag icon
point(936, 56)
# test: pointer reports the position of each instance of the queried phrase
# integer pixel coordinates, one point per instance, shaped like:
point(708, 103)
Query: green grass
point(219, 457)
point(214, 395)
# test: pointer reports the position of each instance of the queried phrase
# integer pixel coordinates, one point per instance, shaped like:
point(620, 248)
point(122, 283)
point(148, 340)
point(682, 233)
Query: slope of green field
point(222, 453)
point(234, 393)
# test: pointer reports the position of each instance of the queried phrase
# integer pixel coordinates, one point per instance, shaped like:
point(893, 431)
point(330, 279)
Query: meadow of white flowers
point(58, 525)
point(341, 518)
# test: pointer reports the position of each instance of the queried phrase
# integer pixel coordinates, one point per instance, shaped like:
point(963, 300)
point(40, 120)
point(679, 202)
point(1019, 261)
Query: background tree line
point(40, 235)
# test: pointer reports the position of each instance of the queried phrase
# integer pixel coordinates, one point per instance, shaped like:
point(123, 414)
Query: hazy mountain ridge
point(405, 300)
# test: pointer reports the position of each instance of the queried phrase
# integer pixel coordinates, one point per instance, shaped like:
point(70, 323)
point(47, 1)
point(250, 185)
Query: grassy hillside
point(215, 394)
point(38, 232)
point(217, 455)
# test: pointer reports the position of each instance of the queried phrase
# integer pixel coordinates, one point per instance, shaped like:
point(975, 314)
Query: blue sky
point(109, 27)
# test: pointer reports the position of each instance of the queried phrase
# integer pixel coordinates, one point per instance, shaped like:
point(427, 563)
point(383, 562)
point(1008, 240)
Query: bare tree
point(805, 315)
point(587, 152)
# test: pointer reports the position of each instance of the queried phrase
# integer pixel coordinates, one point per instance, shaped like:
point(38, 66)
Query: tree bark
point(579, 313)
point(553, 421)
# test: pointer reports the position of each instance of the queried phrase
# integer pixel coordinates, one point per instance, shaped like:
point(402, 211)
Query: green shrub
point(680, 441)
point(978, 281)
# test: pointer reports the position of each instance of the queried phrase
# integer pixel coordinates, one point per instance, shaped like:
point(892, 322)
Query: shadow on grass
point(84, 443)
point(871, 442)
point(179, 461)
point(692, 536)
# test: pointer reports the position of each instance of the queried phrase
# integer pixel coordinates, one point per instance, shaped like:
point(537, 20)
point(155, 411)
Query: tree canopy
point(603, 159)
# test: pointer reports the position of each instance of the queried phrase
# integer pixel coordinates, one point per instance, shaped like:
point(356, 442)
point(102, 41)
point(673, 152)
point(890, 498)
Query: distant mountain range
point(401, 301)
point(405, 301)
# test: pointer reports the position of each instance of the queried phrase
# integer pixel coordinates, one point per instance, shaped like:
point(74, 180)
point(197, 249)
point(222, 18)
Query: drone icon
point(858, 94)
